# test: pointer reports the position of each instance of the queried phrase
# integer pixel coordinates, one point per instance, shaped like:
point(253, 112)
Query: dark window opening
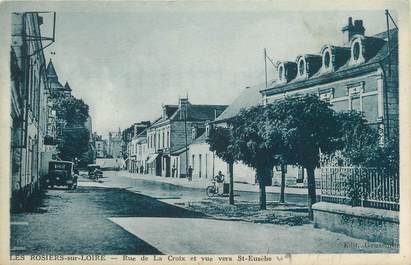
point(356, 51)
point(327, 59)
point(301, 67)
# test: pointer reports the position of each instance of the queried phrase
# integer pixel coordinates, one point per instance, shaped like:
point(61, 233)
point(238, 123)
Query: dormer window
point(333, 57)
point(357, 50)
point(364, 48)
point(286, 71)
point(307, 65)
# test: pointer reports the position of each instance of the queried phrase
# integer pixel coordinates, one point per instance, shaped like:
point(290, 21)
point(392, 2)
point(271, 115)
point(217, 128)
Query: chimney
point(183, 105)
point(353, 29)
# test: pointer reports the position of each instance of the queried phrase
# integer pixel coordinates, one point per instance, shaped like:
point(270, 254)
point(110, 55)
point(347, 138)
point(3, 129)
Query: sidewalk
point(203, 183)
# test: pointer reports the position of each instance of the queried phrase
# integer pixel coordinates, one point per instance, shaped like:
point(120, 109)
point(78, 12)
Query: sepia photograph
point(170, 129)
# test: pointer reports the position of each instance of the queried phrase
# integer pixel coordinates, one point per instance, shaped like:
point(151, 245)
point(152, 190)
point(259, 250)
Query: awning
point(151, 158)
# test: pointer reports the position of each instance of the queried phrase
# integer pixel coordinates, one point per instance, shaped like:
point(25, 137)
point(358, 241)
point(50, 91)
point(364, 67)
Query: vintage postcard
point(205, 132)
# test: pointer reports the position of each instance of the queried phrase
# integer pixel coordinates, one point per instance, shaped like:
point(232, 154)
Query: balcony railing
point(360, 186)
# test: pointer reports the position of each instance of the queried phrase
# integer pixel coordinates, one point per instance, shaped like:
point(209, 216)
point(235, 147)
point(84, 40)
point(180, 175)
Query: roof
point(67, 87)
point(51, 72)
point(201, 139)
point(346, 70)
point(179, 151)
point(170, 109)
point(249, 97)
point(200, 112)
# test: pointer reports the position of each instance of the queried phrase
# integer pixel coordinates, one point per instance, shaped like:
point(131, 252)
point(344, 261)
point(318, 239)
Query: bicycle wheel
point(210, 190)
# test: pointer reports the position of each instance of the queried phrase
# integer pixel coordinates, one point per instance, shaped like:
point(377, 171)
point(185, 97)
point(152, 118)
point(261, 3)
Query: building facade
point(115, 144)
point(361, 75)
point(32, 128)
point(100, 146)
point(173, 131)
point(132, 137)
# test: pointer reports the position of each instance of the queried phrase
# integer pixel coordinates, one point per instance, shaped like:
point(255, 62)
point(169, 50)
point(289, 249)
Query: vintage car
point(94, 171)
point(61, 173)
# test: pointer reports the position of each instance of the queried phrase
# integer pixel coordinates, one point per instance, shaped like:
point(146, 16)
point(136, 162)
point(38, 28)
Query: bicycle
point(212, 190)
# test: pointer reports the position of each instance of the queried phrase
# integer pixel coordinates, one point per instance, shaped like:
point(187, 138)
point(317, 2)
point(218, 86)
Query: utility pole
point(265, 67)
point(389, 42)
point(185, 133)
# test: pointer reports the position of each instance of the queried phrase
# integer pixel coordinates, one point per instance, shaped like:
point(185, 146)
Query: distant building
point(128, 135)
point(100, 146)
point(138, 153)
point(57, 89)
point(115, 144)
point(173, 131)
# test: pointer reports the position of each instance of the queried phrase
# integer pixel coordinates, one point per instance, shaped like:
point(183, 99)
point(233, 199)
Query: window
point(163, 141)
point(168, 139)
point(192, 161)
point(301, 67)
point(280, 72)
point(356, 50)
point(199, 166)
point(327, 59)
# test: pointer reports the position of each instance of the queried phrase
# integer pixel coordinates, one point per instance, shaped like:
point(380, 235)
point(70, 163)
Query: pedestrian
point(190, 173)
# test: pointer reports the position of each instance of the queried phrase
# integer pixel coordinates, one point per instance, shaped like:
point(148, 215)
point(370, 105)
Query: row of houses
point(360, 74)
point(34, 127)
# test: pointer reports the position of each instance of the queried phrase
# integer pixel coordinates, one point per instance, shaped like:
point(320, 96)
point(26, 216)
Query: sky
point(125, 64)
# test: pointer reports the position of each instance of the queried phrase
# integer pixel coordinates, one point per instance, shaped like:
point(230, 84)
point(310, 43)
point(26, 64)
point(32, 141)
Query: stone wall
point(365, 223)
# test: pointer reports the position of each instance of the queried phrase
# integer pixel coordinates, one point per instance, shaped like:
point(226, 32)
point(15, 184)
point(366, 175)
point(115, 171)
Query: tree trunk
point(231, 195)
point(282, 200)
point(311, 191)
point(263, 198)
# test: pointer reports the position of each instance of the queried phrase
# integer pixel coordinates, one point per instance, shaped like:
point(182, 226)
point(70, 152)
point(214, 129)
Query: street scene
point(162, 132)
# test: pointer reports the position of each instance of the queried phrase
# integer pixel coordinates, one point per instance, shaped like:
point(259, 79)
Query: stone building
point(361, 74)
point(100, 145)
point(31, 114)
point(138, 153)
point(130, 136)
point(173, 131)
point(115, 144)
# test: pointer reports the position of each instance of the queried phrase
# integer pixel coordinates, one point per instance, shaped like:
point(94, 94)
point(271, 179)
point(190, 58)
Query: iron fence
point(360, 186)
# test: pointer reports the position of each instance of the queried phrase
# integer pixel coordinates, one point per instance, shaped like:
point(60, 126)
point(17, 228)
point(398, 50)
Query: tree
point(255, 146)
point(71, 114)
point(220, 141)
point(74, 143)
point(360, 143)
point(73, 111)
point(307, 125)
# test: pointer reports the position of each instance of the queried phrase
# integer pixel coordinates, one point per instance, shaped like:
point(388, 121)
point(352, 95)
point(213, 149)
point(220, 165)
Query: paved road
point(106, 220)
point(170, 192)
point(76, 222)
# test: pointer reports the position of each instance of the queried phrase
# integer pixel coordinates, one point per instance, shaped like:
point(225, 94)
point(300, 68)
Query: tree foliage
point(360, 144)
point(308, 125)
point(72, 113)
point(74, 143)
point(220, 141)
